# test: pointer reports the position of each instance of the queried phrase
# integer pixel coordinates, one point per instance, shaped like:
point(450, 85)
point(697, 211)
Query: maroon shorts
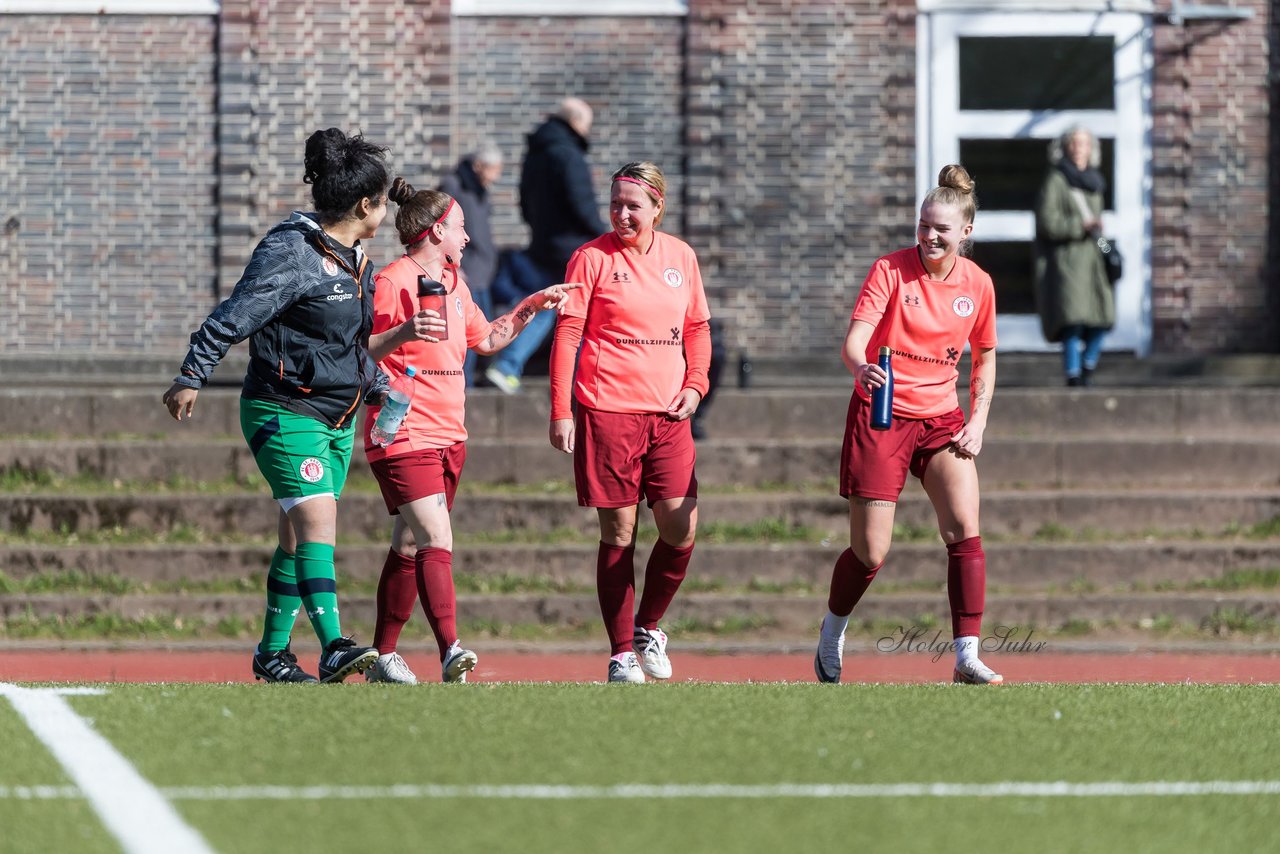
point(408, 477)
point(874, 463)
point(619, 457)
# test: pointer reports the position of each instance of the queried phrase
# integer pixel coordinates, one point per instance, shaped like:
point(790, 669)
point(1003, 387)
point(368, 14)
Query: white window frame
point(941, 124)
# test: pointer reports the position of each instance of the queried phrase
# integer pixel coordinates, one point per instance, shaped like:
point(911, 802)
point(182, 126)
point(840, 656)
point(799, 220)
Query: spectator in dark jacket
point(469, 185)
point(558, 202)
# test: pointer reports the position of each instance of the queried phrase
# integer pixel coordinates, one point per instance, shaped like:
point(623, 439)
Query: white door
point(994, 88)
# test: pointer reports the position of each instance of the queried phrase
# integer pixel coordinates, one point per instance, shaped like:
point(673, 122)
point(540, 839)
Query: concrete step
point(1077, 462)
point(1005, 513)
point(1038, 370)
point(1044, 370)
point(1023, 566)
point(761, 615)
point(777, 413)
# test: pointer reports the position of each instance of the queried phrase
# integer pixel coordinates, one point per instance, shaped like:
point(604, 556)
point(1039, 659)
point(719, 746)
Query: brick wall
point(510, 73)
point(1211, 142)
point(107, 165)
point(142, 157)
point(801, 161)
point(289, 69)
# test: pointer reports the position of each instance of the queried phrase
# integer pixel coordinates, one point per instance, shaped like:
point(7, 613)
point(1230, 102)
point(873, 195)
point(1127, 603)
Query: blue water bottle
point(882, 397)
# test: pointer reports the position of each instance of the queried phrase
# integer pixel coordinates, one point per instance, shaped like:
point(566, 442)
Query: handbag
point(1112, 261)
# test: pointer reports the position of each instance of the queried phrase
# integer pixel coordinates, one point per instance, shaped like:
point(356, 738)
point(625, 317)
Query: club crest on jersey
point(457, 305)
point(331, 266)
point(311, 470)
point(962, 306)
point(672, 277)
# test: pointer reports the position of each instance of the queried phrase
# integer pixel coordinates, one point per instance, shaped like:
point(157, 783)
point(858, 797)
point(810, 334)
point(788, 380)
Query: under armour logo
point(911, 299)
point(675, 333)
point(953, 353)
point(621, 277)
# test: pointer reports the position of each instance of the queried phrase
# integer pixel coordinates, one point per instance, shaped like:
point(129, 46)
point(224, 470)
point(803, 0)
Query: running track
point(17, 665)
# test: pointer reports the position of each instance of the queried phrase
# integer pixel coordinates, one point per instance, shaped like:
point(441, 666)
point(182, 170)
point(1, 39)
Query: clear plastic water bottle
point(395, 408)
point(882, 397)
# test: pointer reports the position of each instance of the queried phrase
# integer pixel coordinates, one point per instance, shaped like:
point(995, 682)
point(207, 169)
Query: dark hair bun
point(956, 177)
point(401, 191)
point(326, 153)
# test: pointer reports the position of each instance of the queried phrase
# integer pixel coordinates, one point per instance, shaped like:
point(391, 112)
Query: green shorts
point(299, 456)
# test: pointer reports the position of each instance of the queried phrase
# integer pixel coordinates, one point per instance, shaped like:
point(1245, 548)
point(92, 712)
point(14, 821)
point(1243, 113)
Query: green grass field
point(211, 750)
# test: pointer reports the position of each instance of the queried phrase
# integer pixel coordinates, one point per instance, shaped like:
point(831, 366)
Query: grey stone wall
point(142, 157)
point(1214, 186)
point(108, 166)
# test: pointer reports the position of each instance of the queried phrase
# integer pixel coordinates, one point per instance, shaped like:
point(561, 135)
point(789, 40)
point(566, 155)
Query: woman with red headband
point(642, 321)
point(420, 469)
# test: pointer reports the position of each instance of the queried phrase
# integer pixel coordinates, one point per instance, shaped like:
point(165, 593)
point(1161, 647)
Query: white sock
point(833, 626)
point(966, 649)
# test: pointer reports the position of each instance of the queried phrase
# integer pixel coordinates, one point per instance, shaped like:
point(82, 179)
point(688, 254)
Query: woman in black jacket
point(306, 303)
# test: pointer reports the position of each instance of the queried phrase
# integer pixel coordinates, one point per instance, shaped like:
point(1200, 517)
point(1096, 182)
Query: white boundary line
point(1009, 789)
point(134, 811)
point(726, 790)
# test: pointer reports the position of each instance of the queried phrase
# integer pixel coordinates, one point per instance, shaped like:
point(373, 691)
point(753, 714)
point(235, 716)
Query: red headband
point(652, 189)
point(427, 230)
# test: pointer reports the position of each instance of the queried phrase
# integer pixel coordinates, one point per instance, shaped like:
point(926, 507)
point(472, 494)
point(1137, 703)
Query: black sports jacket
point(308, 315)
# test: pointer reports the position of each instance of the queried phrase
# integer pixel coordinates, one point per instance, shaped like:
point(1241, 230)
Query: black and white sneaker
point(342, 657)
point(279, 666)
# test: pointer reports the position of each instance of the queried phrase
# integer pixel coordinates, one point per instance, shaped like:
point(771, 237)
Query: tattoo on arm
point(524, 312)
point(874, 502)
point(979, 395)
point(440, 500)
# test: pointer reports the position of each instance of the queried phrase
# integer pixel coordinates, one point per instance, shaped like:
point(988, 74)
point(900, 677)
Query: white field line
point(1010, 789)
point(134, 811)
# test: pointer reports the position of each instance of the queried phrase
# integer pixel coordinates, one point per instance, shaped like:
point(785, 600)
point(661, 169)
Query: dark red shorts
point(408, 477)
point(620, 457)
point(874, 463)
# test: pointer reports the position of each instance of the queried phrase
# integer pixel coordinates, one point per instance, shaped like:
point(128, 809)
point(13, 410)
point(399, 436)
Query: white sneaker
point(458, 662)
point(829, 659)
point(974, 672)
point(651, 646)
point(390, 668)
point(506, 383)
point(626, 670)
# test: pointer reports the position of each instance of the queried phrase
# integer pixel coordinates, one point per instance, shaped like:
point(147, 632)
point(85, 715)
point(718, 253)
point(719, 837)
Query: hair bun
point(401, 191)
point(956, 177)
point(326, 153)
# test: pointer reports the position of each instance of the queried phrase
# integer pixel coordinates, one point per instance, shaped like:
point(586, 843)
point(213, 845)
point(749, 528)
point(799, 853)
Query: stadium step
point(1025, 565)
point(788, 618)
point(1104, 511)
point(1071, 463)
point(1059, 514)
point(774, 414)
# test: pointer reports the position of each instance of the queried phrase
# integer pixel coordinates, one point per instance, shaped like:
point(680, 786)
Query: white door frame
point(941, 124)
